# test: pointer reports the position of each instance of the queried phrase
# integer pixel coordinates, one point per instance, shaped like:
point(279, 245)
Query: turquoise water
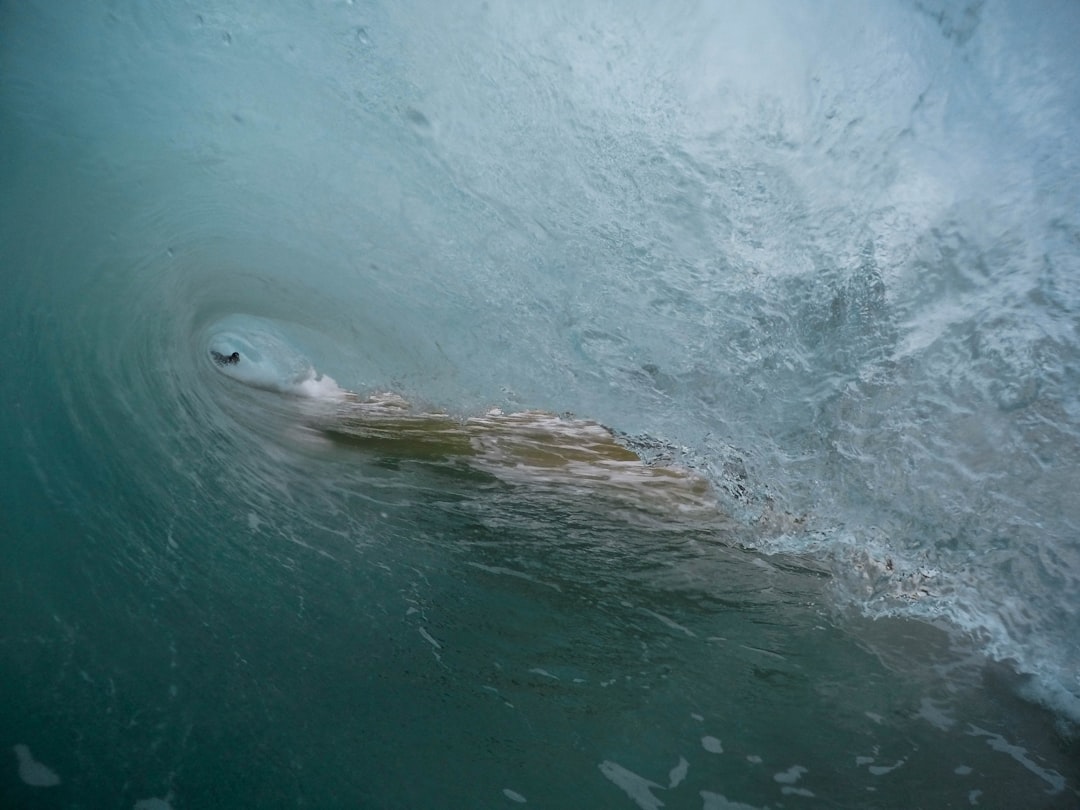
point(826, 257)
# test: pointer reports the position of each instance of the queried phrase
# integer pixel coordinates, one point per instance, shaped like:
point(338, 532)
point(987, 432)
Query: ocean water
point(820, 260)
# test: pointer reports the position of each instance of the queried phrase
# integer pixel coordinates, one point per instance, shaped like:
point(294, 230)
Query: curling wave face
point(817, 271)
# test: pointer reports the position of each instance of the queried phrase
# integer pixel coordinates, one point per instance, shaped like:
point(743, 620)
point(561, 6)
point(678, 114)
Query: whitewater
point(637, 405)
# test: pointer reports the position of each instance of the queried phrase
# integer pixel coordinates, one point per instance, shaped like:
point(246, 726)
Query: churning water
point(824, 257)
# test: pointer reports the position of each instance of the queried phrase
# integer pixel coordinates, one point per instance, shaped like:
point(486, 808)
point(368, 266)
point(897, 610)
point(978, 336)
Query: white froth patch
point(430, 639)
point(1054, 779)
point(712, 745)
point(638, 788)
point(32, 772)
point(499, 570)
point(881, 770)
point(791, 775)
point(935, 715)
point(513, 796)
point(674, 625)
point(678, 773)
point(320, 386)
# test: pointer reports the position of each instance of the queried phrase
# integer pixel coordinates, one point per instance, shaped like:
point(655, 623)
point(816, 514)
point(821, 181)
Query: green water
point(469, 646)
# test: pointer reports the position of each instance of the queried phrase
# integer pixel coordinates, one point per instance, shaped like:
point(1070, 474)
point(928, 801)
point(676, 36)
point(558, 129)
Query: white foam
point(874, 576)
point(429, 639)
point(638, 788)
point(1047, 689)
point(791, 775)
point(32, 772)
point(1054, 779)
point(678, 773)
point(935, 716)
point(674, 625)
point(712, 745)
point(320, 386)
point(881, 770)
